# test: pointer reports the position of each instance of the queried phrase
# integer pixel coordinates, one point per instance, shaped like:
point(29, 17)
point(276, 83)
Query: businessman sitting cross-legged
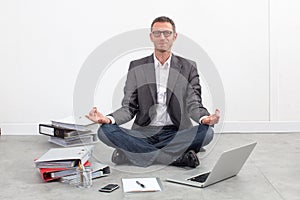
point(163, 93)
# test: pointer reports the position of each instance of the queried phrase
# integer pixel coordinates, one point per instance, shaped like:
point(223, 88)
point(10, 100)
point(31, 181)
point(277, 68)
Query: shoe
point(119, 158)
point(188, 159)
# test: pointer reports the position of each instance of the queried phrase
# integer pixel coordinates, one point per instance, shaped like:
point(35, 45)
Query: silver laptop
point(228, 165)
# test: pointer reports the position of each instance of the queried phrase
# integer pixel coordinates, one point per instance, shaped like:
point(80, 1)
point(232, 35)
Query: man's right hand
point(212, 119)
point(97, 117)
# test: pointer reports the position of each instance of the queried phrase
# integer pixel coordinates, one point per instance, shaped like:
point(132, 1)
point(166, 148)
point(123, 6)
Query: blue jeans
point(155, 144)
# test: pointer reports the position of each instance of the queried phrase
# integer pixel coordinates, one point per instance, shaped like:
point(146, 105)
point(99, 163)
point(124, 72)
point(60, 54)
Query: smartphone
point(109, 188)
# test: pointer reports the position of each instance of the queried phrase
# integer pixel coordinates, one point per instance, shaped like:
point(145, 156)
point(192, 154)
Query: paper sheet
point(150, 184)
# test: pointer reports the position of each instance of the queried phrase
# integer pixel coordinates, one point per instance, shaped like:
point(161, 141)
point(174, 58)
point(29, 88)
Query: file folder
point(50, 174)
point(64, 157)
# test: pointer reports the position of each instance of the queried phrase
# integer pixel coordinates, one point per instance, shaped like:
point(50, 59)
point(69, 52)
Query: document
point(141, 184)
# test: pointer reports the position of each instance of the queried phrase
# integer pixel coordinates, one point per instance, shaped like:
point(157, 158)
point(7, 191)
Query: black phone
point(109, 188)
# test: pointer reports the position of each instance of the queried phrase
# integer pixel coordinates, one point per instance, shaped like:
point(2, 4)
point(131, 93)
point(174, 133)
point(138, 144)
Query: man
point(162, 92)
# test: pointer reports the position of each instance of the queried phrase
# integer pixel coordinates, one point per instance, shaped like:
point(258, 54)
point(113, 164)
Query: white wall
point(253, 44)
point(285, 60)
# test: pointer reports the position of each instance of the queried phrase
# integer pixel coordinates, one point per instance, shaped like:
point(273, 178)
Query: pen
point(140, 184)
point(80, 172)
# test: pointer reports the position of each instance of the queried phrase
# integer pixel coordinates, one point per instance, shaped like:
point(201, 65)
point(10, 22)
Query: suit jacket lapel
point(173, 76)
point(149, 72)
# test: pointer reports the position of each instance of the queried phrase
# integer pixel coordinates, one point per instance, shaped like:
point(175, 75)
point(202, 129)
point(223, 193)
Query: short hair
point(164, 19)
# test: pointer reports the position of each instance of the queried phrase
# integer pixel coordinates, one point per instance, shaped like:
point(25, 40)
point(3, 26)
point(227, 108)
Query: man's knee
point(209, 136)
point(104, 132)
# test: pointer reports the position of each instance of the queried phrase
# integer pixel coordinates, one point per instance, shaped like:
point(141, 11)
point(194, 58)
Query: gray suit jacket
point(140, 94)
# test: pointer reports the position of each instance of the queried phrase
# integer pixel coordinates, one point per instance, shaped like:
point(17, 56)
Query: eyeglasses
point(165, 33)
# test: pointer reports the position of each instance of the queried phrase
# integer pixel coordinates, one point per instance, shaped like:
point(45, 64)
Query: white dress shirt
point(162, 117)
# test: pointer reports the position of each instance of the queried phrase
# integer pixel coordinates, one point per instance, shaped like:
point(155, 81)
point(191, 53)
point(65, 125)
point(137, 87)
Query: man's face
point(162, 36)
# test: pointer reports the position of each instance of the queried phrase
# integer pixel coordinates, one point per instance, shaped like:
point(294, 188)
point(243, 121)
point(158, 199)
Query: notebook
point(228, 165)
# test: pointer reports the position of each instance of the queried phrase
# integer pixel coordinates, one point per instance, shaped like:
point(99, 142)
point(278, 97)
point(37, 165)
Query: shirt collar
point(166, 64)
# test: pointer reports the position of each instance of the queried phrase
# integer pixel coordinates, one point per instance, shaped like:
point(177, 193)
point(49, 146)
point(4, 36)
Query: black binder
point(47, 129)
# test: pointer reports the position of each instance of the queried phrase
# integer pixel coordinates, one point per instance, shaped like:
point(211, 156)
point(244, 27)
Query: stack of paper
point(61, 159)
point(98, 170)
point(76, 123)
point(74, 141)
point(70, 131)
point(64, 157)
point(49, 174)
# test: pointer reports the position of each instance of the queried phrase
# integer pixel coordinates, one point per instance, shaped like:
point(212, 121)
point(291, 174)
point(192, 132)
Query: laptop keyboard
point(200, 178)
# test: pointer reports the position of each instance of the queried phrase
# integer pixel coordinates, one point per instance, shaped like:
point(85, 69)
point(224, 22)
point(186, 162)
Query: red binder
point(46, 172)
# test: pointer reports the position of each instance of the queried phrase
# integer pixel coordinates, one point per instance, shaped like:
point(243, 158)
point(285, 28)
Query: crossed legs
point(152, 145)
